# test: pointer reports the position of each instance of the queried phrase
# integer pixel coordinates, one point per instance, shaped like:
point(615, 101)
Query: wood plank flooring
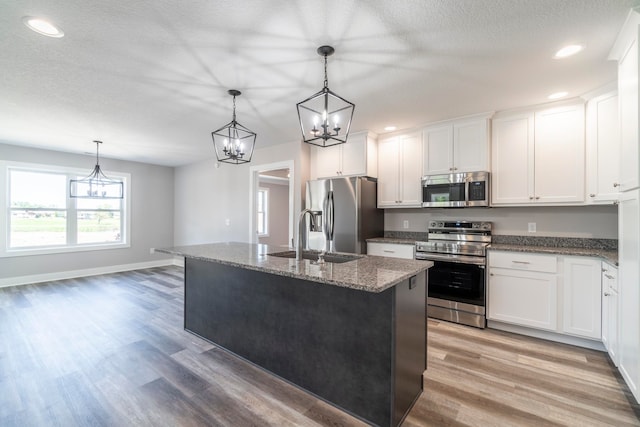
point(110, 351)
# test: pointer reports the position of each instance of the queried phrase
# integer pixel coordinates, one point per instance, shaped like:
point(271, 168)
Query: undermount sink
point(313, 256)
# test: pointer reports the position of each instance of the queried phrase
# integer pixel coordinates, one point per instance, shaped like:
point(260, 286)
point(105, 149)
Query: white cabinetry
point(399, 167)
point(456, 146)
point(559, 294)
point(629, 290)
point(603, 149)
point(538, 156)
point(522, 289)
point(610, 310)
point(358, 156)
point(581, 306)
point(625, 51)
point(391, 250)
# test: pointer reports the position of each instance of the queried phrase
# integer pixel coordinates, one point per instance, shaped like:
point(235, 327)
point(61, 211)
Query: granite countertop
point(368, 273)
point(393, 240)
point(608, 255)
point(605, 249)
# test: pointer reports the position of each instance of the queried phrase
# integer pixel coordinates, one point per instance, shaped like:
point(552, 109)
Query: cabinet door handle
point(537, 197)
point(491, 274)
point(615, 184)
point(520, 262)
point(608, 276)
point(592, 195)
point(606, 294)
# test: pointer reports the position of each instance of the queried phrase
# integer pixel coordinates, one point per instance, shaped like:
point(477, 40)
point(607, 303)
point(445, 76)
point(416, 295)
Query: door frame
point(255, 171)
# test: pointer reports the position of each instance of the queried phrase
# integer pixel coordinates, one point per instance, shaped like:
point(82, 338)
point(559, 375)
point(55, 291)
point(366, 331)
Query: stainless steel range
point(456, 286)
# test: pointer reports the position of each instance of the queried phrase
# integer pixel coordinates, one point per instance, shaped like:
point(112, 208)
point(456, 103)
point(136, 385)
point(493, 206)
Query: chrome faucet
point(301, 231)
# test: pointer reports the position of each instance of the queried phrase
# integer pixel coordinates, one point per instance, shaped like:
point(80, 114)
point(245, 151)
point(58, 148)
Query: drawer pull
point(521, 262)
point(608, 276)
point(389, 252)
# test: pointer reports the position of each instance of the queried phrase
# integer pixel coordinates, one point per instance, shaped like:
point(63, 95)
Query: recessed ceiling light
point(42, 26)
point(567, 51)
point(390, 128)
point(558, 95)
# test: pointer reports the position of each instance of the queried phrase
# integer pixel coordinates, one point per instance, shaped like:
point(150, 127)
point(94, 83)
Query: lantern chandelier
point(97, 185)
point(325, 117)
point(233, 142)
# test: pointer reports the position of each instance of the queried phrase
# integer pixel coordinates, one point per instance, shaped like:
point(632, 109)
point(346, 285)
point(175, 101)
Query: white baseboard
point(72, 274)
point(550, 336)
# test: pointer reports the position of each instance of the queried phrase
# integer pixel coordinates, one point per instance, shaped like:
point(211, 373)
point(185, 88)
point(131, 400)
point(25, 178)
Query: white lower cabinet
point(610, 310)
point(559, 294)
point(582, 302)
point(523, 289)
point(391, 250)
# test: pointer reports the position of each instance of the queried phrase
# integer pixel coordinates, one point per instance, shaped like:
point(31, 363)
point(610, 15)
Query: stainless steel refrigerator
point(346, 214)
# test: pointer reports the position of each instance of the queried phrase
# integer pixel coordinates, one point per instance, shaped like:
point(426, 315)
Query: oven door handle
point(460, 259)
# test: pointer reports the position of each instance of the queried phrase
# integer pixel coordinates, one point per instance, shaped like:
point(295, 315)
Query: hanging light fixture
point(325, 117)
point(97, 185)
point(233, 142)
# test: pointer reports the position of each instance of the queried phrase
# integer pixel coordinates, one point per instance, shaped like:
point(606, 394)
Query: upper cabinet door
point(603, 149)
point(560, 154)
point(512, 159)
point(326, 162)
point(354, 155)
point(628, 93)
point(470, 146)
point(388, 173)
point(438, 150)
point(411, 165)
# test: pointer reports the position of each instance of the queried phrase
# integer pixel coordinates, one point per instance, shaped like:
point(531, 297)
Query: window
point(263, 212)
point(42, 218)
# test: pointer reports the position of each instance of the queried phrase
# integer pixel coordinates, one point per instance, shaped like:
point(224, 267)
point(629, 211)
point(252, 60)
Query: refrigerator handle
point(328, 218)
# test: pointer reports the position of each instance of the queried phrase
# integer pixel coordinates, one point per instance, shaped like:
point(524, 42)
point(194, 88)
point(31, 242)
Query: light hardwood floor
point(110, 350)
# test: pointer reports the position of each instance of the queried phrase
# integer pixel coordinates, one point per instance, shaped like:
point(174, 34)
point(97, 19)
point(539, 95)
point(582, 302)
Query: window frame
point(265, 191)
point(71, 212)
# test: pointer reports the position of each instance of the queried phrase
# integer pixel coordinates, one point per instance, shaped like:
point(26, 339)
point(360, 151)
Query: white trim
point(72, 274)
point(254, 178)
point(546, 335)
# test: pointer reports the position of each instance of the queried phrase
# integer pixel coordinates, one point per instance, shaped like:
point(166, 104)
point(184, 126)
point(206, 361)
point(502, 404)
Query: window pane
point(99, 227)
point(113, 204)
point(37, 228)
point(38, 190)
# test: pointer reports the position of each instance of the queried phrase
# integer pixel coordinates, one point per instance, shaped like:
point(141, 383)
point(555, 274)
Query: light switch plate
point(405, 224)
point(532, 227)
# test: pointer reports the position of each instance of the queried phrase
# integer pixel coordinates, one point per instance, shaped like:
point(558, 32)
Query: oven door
point(459, 282)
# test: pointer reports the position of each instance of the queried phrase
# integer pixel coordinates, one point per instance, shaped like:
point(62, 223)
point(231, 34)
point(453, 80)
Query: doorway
point(271, 219)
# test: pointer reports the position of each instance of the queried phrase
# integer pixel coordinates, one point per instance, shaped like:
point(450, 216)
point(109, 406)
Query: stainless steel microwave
point(456, 190)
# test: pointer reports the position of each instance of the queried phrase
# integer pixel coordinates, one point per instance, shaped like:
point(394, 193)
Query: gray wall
point(208, 194)
point(278, 214)
point(151, 215)
point(575, 221)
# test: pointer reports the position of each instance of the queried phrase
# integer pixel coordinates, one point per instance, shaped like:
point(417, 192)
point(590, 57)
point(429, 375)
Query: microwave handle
point(466, 192)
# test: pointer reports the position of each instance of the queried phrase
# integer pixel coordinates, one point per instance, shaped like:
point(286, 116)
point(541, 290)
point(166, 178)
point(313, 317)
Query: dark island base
point(362, 352)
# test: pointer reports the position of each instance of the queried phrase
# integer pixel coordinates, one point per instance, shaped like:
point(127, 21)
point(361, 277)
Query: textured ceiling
point(150, 77)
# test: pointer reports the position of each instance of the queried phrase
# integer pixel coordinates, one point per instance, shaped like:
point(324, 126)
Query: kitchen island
point(352, 333)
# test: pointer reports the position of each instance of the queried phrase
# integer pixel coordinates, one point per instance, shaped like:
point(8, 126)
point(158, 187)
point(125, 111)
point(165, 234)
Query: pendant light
point(325, 117)
point(233, 142)
point(97, 185)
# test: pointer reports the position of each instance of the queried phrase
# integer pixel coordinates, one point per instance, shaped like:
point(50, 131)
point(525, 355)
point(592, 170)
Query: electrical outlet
point(152, 251)
point(405, 224)
point(532, 227)
point(227, 221)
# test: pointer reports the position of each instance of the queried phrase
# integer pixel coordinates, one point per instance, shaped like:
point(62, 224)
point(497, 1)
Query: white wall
point(151, 216)
point(278, 215)
point(207, 196)
point(576, 221)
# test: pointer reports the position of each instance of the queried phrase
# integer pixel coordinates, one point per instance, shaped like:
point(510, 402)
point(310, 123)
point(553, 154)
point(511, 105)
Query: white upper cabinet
point(625, 51)
point(460, 145)
point(358, 156)
point(603, 149)
point(538, 156)
point(399, 168)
